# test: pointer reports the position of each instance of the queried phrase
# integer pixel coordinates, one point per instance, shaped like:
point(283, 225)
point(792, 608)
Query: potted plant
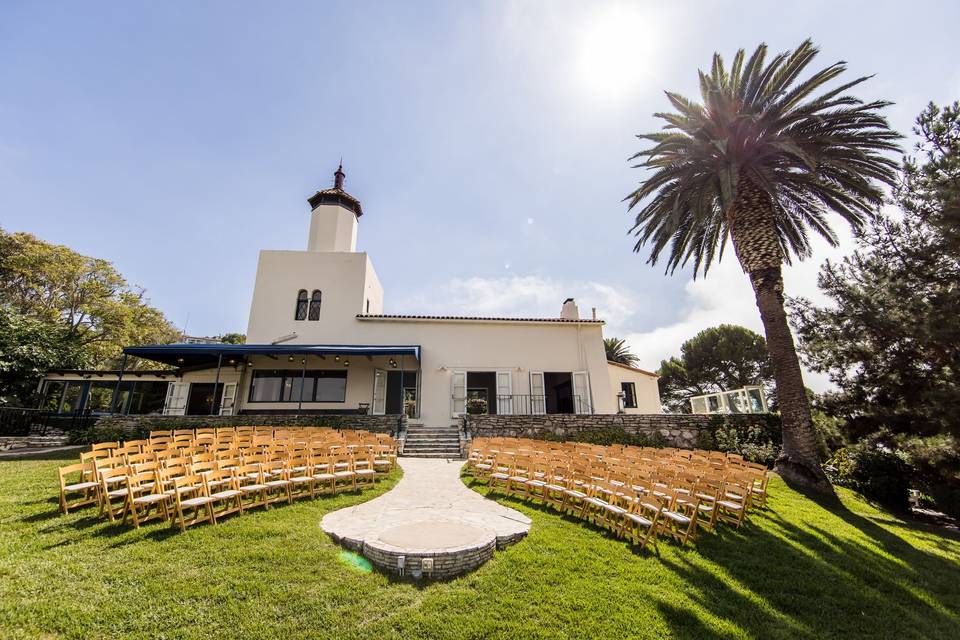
point(476, 406)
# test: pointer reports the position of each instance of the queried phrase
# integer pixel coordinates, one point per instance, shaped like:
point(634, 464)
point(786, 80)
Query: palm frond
point(811, 149)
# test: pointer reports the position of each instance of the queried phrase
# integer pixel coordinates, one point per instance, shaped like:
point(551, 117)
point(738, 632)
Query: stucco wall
point(648, 392)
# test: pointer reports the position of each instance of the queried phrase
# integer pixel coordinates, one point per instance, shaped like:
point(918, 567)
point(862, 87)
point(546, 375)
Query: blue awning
point(199, 355)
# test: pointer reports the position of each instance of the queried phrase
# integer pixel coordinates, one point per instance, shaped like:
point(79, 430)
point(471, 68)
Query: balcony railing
point(531, 405)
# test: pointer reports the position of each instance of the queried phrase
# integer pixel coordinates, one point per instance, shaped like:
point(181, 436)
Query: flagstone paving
point(429, 525)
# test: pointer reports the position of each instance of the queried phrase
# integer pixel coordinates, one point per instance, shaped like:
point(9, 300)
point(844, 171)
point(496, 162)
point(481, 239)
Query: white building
point(317, 323)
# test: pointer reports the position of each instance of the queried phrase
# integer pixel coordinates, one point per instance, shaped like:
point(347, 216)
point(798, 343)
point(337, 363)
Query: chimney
point(569, 310)
point(594, 313)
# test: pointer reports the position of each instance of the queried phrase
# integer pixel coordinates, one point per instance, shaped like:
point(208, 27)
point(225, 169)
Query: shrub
point(476, 406)
point(874, 468)
point(935, 466)
point(757, 440)
point(610, 435)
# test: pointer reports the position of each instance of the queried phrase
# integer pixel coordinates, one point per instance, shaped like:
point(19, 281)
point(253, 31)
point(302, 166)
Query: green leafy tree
point(28, 348)
point(716, 359)
point(762, 161)
point(890, 340)
point(233, 338)
point(618, 351)
point(85, 297)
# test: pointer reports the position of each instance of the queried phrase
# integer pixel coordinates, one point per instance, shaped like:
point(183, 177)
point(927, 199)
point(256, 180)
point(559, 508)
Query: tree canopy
point(890, 340)
point(716, 359)
point(68, 310)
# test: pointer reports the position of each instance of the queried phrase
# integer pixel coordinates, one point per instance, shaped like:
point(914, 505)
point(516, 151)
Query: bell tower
point(333, 218)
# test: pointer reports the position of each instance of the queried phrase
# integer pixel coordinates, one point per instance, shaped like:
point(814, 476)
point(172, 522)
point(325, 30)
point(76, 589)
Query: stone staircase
point(51, 438)
point(431, 442)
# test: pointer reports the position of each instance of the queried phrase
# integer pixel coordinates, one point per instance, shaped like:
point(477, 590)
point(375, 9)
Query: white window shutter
point(538, 397)
point(581, 392)
point(176, 403)
point(504, 392)
point(458, 393)
point(228, 399)
point(379, 392)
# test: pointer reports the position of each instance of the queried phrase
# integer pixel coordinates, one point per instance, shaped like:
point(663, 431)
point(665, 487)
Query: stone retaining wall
point(669, 429)
point(129, 427)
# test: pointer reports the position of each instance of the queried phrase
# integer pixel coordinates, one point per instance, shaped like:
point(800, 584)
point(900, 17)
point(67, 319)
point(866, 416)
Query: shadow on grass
point(825, 572)
point(514, 502)
point(810, 580)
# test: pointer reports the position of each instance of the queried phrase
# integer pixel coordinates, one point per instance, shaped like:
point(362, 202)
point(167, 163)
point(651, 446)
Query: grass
point(798, 570)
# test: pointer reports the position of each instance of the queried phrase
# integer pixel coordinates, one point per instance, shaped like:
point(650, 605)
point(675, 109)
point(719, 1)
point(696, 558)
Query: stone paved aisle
point(429, 514)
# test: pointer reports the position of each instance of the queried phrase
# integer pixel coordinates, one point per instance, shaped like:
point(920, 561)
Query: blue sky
point(487, 140)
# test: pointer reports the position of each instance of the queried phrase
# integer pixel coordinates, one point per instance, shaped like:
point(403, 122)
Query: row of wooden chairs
point(637, 493)
point(138, 483)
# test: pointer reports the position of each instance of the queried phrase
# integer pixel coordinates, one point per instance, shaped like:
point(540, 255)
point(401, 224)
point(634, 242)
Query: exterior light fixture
point(336, 358)
point(289, 358)
point(231, 361)
point(346, 363)
point(179, 360)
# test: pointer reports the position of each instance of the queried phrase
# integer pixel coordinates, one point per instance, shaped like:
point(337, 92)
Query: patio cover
point(201, 355)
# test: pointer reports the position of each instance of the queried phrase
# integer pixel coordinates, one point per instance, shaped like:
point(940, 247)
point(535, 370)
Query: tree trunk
point(755, 240)
point(798, 463)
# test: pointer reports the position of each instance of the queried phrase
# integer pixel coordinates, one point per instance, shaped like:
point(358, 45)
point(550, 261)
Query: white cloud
point(723, 297)
point(523, 296)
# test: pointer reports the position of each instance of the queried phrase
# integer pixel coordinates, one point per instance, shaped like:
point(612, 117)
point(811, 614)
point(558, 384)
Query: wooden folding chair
point(678, 516)
point(639, 524)
point(277, 479)
point(190, 494)
point(366, 475)
point(734, 502)
point(140, 502)
point(85, 484)
point(343, 472)
point(300, 475)
point(251, 483)
point(223, 487)
point(323, 473)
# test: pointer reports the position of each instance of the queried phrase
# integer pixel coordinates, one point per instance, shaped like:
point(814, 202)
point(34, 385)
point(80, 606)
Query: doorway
point(203, 400)
point(408, 381)
point(559, 392)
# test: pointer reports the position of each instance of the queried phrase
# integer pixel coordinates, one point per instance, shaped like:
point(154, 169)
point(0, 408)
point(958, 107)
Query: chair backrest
point(104, 445)
point(188, 486)
point(244, 471)
point(85, 469)
point(224, 479)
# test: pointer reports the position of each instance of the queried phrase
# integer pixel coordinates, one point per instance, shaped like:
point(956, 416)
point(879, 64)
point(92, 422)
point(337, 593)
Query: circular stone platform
point(438, 526)
point(431, 549)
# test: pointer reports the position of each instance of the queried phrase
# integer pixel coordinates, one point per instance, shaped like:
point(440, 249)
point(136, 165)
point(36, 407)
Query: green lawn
point(798, 570)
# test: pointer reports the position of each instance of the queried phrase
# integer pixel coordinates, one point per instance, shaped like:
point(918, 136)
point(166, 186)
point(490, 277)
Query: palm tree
point(618, 351)
point(763, 161)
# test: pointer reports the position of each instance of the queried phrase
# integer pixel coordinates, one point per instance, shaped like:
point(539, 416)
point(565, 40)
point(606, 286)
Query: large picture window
point(283, 385)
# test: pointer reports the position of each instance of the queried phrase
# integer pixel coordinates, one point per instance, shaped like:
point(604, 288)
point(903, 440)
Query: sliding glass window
point(284, 386)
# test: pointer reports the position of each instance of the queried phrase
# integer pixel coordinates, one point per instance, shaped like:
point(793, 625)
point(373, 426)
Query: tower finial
point(338, 176)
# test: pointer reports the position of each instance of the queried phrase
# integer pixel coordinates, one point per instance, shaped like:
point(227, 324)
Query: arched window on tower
point(315, 305)
point(301, 310)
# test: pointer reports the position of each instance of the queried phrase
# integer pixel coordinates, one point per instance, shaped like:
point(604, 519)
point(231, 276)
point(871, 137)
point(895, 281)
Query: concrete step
point(426, 431)
point(449, 453)
point(454, 456)
point(431, 445)
point(442, 437)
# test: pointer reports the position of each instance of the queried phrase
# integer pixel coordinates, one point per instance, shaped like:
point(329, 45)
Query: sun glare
point(616, 49)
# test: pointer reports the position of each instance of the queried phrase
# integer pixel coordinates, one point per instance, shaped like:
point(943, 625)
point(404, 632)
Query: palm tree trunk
point(755, 241)
point(798, 463)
